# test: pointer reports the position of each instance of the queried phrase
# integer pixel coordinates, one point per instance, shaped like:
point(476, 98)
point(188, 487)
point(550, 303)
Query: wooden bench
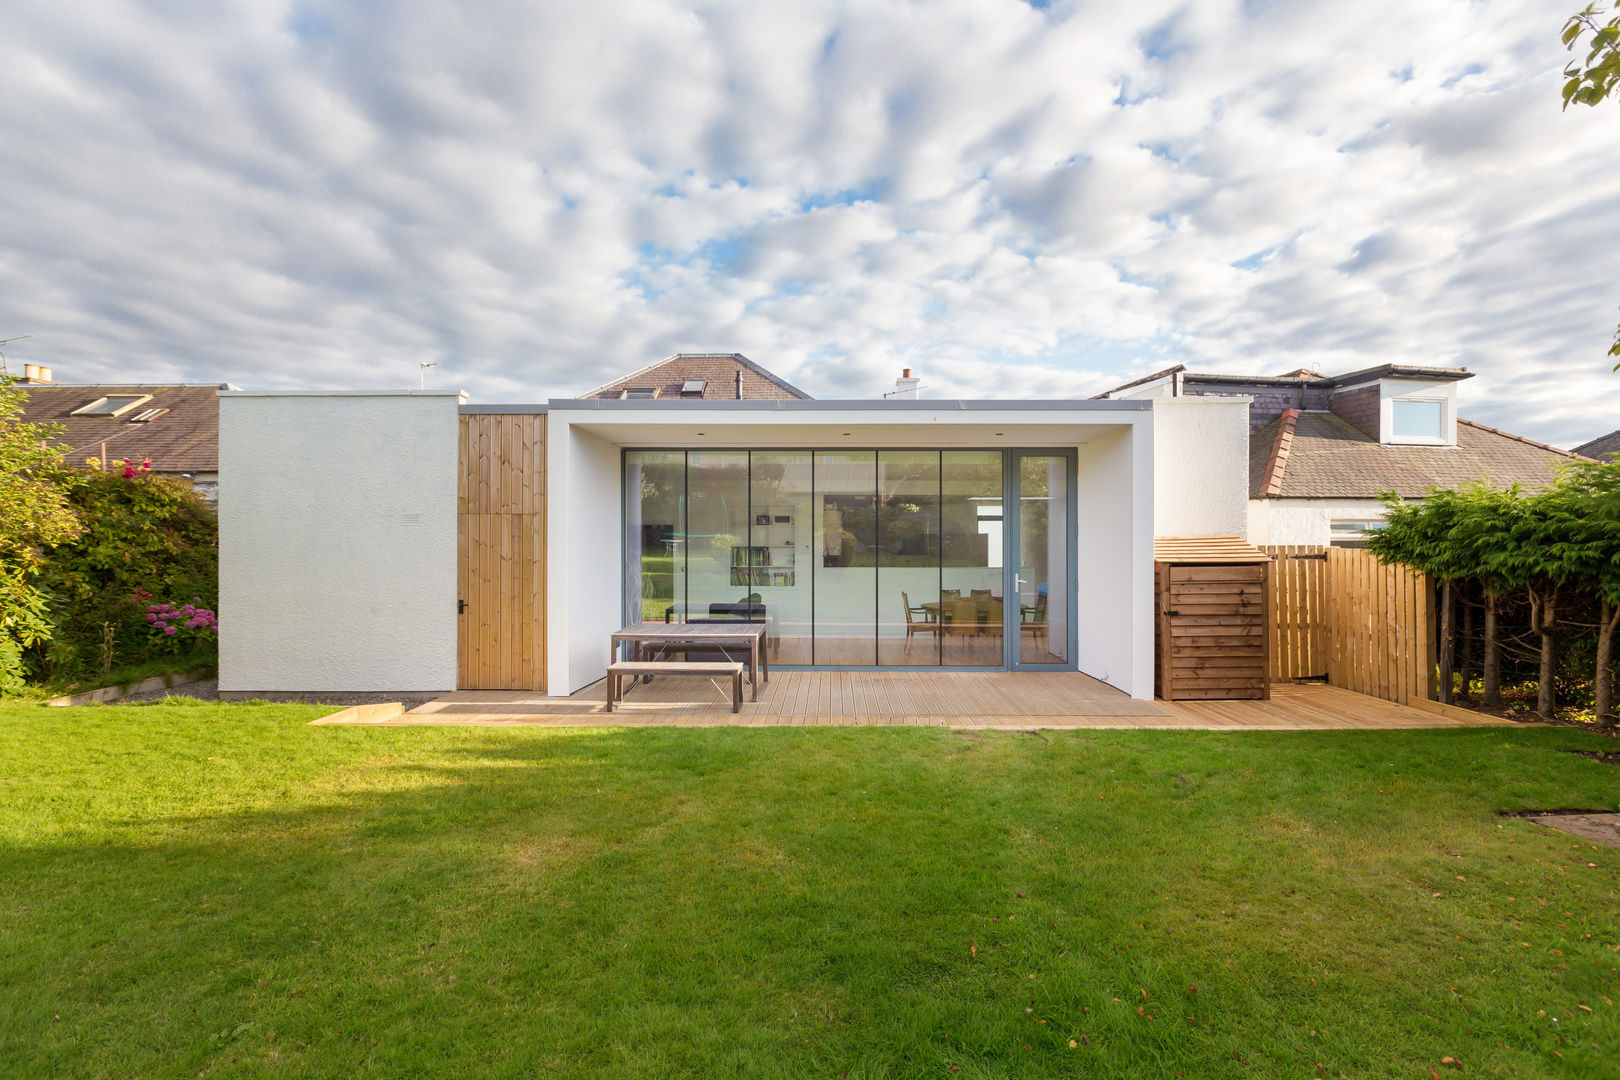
point(637, 668)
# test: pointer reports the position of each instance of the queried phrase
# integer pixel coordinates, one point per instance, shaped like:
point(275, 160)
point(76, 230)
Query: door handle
point(461, 607)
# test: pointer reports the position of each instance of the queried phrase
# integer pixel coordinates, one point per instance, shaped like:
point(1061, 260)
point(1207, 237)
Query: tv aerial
point(424, 365)
point(3, 343)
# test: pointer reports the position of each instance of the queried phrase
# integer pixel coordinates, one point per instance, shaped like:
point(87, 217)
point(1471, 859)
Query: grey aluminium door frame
point(1012, 544)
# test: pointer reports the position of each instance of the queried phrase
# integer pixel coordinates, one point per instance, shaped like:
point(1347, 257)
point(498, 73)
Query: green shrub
point(149, 544)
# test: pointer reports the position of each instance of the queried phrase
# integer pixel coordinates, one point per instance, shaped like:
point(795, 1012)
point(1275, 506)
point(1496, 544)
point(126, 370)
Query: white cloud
point(539, 196)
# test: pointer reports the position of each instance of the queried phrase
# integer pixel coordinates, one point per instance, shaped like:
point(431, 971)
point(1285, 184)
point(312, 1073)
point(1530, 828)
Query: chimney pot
point(36, 373)
point(905, 373)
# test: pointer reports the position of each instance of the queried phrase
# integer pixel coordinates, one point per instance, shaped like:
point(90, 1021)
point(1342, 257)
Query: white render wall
point(1305, 521)
point(1201, 466)
point(1113, 591)
point(337, 561)
point(584, 555)
point(1114, 585)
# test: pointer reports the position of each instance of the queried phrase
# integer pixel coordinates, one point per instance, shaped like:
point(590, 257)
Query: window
point(146, 416)
point(1351, 530)
point(638, 393)
point(1412, 418)
point(111, 405)
point(693, 387)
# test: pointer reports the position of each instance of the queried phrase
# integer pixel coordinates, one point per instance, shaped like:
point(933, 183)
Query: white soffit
point(830, 431)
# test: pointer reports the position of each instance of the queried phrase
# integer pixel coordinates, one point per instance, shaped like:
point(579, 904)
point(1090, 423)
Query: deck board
point(957, 699)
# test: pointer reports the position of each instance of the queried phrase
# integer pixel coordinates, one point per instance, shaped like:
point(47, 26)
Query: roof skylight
point(111, 405)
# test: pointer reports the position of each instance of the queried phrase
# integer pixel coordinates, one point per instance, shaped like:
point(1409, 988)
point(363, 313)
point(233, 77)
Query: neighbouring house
point(700, 377)
point(413, 541)
point(1323, 448)
point(175, 427)
point(1601, 447)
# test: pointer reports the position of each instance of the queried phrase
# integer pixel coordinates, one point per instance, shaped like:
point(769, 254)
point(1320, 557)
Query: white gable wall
point(337, 541)
point(1201, 466)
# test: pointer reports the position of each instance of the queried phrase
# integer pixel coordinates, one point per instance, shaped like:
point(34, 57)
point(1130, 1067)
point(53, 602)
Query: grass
point(193, 889)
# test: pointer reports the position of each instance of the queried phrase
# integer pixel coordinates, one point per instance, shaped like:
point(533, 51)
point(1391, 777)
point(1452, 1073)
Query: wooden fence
point(1298, 613)
point(1339, 613)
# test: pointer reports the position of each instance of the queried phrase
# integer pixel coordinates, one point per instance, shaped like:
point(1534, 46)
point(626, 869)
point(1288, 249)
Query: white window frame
point(131, 401)
point(1447, 421)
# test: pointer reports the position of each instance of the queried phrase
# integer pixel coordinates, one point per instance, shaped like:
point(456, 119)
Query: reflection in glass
point(1043, 565)
point(908, 557)
point(717, 582)
point(654, 533)
point(845, 543)
point(779, 554)
point(971, 604)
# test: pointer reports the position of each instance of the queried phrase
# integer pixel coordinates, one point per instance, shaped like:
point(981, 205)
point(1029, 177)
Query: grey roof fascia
point(854, 405)
point(1402, 371)
point(1382, 371)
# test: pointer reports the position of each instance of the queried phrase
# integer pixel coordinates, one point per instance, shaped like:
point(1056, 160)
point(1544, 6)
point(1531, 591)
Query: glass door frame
point(1011, 496)
point(1012, 523)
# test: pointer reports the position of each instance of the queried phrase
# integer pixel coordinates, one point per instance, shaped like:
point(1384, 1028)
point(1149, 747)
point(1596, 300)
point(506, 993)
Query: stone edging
point(114, 693)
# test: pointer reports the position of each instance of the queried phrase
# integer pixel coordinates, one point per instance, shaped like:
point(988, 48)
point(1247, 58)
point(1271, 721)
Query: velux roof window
point(112, 405)
point(639, 393)
point(693, 387)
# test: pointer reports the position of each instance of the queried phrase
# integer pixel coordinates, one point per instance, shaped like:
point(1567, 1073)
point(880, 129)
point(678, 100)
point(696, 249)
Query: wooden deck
point(983, 700)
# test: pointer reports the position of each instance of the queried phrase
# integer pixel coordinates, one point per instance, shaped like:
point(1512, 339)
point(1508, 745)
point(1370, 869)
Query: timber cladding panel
point(1213, 603)
point(501, 552)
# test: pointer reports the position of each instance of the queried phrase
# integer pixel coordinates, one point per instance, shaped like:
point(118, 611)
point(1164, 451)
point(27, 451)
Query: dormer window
point(1422, 419)
point(1418, 418)
point(638, 393)
point(112, 405)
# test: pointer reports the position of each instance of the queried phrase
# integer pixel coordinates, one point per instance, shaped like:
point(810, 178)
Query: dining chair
point(925, 625)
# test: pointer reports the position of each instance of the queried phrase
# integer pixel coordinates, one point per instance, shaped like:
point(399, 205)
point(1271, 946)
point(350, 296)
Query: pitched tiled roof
point(717, 371)
point(1327, 458)
point(1602, 446)
point(183, 440)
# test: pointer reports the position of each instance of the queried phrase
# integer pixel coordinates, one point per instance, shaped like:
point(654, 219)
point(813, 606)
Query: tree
point(34, 513)
point(1537, 554)
point(1594, 494)
point(1593, 81)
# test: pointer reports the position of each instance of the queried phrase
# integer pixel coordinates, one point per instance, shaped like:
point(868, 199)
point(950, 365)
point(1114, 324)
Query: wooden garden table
point(707, 635)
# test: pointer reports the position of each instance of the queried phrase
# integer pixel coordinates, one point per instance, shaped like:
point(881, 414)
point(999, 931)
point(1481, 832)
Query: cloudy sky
point(1014, 199)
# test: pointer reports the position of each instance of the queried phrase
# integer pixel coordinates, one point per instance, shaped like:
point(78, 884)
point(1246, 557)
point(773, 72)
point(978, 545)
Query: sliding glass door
point(1039, 578)
point(902, 558)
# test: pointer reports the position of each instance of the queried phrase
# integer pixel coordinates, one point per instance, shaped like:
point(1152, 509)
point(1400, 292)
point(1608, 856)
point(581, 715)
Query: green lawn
point(208, 890)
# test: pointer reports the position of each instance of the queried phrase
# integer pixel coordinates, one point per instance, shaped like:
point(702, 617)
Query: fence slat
point(1372, 622)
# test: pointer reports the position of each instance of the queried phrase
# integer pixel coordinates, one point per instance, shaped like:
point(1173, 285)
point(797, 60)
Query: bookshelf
point(771, 561)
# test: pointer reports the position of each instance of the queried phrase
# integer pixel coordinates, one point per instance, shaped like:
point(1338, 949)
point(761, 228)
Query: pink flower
point(171, 629)
point(151, 617)
point(188, 610)
point(151, 607)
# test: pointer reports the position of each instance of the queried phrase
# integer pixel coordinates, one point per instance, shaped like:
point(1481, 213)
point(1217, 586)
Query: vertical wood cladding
point(501, 553)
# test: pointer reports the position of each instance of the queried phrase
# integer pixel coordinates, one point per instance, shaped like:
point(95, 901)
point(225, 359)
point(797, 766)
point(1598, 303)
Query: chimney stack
point(905, 386)
point(36, 374)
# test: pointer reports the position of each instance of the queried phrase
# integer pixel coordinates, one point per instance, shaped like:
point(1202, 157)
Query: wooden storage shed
point(1213, 618)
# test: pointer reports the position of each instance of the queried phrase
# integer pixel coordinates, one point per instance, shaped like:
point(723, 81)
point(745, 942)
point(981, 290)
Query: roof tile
point(1328, 458)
